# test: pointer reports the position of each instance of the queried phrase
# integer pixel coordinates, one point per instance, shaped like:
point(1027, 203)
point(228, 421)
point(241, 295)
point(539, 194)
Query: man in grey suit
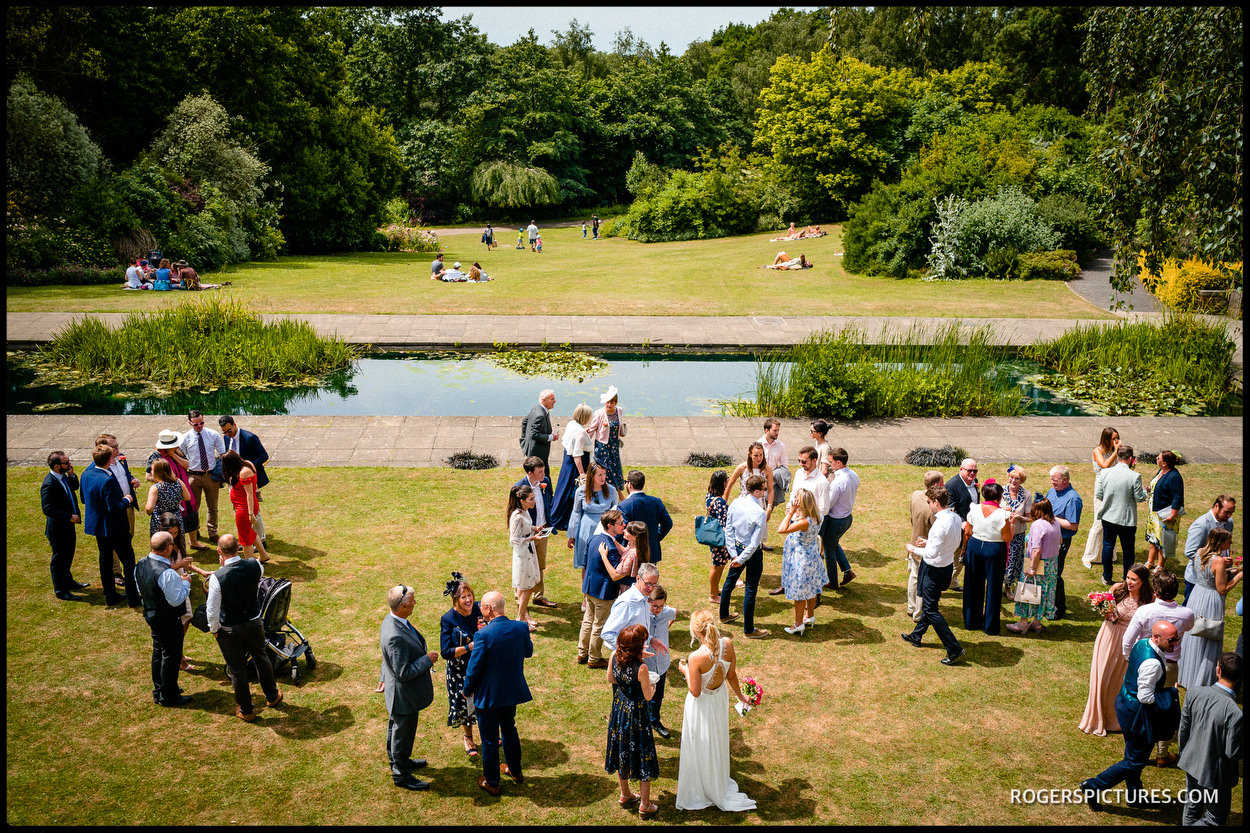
point(1210, 738)
point(1221, 514)
point(406, 678)
point(537, 434)
point(1120, 490)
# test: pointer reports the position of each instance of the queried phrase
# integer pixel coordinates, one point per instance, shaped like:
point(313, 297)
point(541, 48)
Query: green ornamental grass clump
point(199, 344)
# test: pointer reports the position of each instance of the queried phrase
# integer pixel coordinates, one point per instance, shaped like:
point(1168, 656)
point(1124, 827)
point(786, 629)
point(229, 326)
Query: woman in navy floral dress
point(718, 508)
point(457, 629)
point(631, 748)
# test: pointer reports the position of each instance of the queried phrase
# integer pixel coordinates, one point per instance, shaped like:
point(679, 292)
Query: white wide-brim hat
point(168, 439)
point(456, 265)
point(608, 395)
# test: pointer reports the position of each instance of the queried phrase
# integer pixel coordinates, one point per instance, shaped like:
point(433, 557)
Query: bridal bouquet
point(1102, 602)
point(753, 691)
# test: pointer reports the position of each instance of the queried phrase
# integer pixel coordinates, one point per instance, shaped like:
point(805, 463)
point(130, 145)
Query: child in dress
point(661, 616)
point(538, 243)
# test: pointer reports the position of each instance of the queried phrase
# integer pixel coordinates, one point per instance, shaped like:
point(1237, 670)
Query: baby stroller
point(286, 643)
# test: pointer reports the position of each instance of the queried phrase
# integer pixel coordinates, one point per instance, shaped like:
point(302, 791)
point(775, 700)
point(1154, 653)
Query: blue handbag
point(708, 531)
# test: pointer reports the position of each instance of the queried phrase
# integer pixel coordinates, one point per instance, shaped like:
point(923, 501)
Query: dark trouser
point(235, 643)
point(831, 532)
point(753, 569)
point(497, 726)
point(656, 699)
point(106, 544)
point(932, 581)
point(401, 731)
point(62, 542)
point(166, 655)
point(983, 585)
point(1201, 813)
point(1137, 749)
point(1189, 588)
point(1061, 600)
point(1126, 534)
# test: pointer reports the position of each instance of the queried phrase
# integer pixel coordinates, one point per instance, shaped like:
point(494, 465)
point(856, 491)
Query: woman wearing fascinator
point(458, 627)
point(607, 427)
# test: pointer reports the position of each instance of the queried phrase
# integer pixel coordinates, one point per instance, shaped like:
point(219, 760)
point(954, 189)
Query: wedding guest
point(1019, 502)
point(1103, 459)
point(167, 448)
point(1211, 745)
point(61, 506)
point(631, 748)
point(660, 618)
point(921, 523)
point(521, 535)
point(755, 465)
point(802, 568)
point(540, 516)
point(640, 506)
point(457, 628)
point(988, 530)
point(744, 530)
point(1167, 501)
point(1066, 504)
point(165, 495)
point(241, 475)
point(809, 478)
point(820, 430)
point(1106, 670)
point(607, 427)
point(635, 553)
point(703, 778)
point(406, 664)
point(1216, 576)
point(171, 522)
point(778, 462)
point(632, 607)
point(717, 507)
point(937, 553)
point(600, 588)
point(572, 468)
point(594, 498)
point(843, 486)
point(1221, 514)
point(1120, 490)
point(1043, 549)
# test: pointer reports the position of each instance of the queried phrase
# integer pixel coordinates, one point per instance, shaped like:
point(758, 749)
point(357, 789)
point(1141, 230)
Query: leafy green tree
point(47, 153)
point(835, 125)
point(1169, 80)
point(1040, 49)
point(503, 184)
point(917, 38)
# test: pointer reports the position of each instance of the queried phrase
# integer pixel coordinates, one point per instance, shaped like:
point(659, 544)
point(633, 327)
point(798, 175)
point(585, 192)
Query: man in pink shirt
point(776, 458)
point(1162, 609)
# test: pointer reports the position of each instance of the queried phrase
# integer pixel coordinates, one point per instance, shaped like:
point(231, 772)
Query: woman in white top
point(755, 464)
point(988, 531)
point(1102, 458)
point(525, 572)
point(703, 768)
point(573, 467)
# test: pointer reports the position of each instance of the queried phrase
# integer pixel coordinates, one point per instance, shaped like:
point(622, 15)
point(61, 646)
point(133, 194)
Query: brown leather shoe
point(597, 663)
point(275, 701)
point(1169, 759)
point(543, 602)
point(246, 717)
point(503, 767)
point(484, 784)
point(582, 660)
point(727, 619)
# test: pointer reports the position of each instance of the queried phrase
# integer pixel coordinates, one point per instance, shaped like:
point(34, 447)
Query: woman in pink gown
point(1106, 672)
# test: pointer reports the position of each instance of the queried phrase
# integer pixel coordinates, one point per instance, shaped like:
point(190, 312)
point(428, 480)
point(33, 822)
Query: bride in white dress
point(703, 768)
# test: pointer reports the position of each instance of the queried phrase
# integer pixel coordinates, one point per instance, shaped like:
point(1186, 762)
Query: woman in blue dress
point(607, 427)
point(457, 629)
point(576, 444)
point(802, 569)
point(589, 504)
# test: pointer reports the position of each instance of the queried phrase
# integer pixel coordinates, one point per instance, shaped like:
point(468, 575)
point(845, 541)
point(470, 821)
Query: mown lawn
point(591, 277)
point(856, 728)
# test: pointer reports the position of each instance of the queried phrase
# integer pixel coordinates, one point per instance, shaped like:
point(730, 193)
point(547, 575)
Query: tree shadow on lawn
point(301, 723)
point(870, 558)
point(863, 599)
point(844, 631)
point(293, 557)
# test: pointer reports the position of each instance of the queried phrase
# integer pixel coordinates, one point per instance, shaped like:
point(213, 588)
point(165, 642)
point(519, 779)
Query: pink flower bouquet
point(1102, 602)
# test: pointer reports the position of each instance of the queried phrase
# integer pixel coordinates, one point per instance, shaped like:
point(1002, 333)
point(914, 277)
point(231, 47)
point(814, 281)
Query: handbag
point(216, 474)
point(1208, 628)
point(1029, 594)
point(708, 531)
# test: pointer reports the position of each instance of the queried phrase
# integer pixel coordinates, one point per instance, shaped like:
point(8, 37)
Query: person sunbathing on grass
point(783, 261)
point(814, 231)
point(793, 233)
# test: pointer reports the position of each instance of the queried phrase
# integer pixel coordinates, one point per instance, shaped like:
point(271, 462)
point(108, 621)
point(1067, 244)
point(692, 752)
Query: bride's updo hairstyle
point(704, 631)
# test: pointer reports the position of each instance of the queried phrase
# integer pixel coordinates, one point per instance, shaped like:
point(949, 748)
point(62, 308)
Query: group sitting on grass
point(795, 234)
point(166, 277)
point(784, 261)
point(453, 275)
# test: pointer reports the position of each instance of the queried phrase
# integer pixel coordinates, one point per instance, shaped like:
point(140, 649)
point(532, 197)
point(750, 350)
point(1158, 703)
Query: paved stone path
point(652, 441)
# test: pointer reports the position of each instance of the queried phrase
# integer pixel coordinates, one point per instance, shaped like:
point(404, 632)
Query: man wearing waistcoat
point(1147, 710)
point(234, 616)
point(164, 593)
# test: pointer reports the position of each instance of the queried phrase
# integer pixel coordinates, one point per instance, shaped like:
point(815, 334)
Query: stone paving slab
point(415, 441)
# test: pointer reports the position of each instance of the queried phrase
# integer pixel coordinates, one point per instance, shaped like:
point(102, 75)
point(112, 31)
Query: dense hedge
point(69, 274)
point(1060, 265)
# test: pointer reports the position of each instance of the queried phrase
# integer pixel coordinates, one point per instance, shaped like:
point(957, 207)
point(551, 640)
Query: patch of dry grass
point(857, 728)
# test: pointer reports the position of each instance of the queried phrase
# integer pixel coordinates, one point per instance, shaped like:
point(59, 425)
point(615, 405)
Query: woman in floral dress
point(718, 508)
point(802, 569)
point(1019, 502)
point(631, 747)
point(607, 427)
point(457, 628)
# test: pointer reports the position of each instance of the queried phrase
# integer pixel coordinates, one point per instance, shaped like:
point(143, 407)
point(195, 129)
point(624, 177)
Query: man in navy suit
point(104, 516)
point(406, 664)
point(496, 680)
point(650, 510)
point(536, 478)
point(56, 497)
point(248, 446)
point(963, 492)
point(129, 486)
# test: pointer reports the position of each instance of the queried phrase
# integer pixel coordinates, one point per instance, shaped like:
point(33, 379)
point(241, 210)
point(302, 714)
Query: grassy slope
point(851, 713)
point(608, 276)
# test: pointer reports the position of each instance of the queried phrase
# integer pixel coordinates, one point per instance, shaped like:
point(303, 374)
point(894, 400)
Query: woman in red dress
point(241, 475)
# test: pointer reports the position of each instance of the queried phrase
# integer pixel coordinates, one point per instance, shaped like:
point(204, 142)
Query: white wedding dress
point(703, 768)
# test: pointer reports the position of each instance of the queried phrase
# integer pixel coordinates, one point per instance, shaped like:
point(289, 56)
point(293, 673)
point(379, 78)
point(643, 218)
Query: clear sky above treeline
point(677, 26)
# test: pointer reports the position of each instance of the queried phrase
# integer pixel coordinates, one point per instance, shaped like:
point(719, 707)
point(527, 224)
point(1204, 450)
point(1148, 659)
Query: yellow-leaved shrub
point(1179, 284)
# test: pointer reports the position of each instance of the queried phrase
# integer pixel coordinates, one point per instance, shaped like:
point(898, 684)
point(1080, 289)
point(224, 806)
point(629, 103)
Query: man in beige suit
point(921, 523)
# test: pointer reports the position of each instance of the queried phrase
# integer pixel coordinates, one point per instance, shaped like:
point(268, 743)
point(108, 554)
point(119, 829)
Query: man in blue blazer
point(536, 478)
point(249, 447)
point(56, 497)
point(406, 664)
point(496, 680)
point(104, 516)
point(650, 510)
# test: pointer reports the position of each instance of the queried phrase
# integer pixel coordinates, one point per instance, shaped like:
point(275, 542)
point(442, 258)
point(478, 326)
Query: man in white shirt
point(233, 611)
point(745, 523)
point(937, 559)
point(202, 446)
point(531, 232)
point(843, 486)
point(134, 276)
point(810, 479)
